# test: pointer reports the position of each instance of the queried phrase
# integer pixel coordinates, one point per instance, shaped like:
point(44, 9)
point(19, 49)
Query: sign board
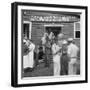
point(52, 18)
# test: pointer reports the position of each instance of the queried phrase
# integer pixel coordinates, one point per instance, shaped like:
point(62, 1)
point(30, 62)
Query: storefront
point(36, 23)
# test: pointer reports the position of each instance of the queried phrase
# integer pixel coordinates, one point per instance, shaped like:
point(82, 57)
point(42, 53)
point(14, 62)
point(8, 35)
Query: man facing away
point(64, 59)
point(47, 52)
point(72, 52)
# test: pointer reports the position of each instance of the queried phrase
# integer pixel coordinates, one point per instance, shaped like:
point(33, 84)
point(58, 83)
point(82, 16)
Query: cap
point(70, 39)
point(64, 42)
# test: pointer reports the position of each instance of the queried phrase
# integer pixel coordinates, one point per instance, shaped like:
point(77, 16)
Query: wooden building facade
point(35, 23)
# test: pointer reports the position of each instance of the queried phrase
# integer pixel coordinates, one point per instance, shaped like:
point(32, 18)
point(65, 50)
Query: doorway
point(55, 29)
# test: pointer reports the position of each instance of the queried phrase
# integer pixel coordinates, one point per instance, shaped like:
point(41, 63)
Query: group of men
point(64, 53)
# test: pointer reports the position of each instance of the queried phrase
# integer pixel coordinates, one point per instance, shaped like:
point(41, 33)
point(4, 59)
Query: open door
point(55, 29)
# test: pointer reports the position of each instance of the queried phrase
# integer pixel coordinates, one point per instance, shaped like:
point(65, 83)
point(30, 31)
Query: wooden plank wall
point(38, 30)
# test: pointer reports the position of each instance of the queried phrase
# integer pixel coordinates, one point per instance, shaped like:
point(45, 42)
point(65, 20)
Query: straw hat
point(64, 42)
point(70, 39)
point(61, 35)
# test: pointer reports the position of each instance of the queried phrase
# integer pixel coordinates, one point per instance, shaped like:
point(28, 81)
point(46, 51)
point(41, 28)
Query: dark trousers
point(64, 64)
point(47, 60)
point(47, 57)
point(36, 59)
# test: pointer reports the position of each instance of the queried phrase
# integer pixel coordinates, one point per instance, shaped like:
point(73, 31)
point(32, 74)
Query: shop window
point(77, 34)
point(77, 30)
point(27, 29)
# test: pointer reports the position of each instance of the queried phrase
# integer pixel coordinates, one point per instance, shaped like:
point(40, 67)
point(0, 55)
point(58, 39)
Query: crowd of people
point(64, 54)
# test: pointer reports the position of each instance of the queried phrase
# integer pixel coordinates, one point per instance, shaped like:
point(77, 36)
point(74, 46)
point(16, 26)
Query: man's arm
point(69, 51)
point(30, 48)
point(55, 51)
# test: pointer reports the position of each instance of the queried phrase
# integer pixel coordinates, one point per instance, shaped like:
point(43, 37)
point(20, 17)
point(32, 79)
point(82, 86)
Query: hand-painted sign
point(52, 18)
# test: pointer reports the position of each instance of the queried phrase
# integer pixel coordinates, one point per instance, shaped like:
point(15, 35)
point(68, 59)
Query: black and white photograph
point(51, 43)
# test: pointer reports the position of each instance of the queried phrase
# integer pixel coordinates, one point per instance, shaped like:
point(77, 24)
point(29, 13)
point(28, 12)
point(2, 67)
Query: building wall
point(38, 30)
point(68, 30)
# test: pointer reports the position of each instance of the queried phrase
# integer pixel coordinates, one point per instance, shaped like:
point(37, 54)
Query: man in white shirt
point(56, 50)
point(31, 54)
point(72, 52)
point(56, 58)
point(29, 59)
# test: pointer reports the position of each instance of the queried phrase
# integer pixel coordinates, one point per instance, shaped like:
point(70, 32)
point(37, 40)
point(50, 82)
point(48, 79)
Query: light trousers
point(72, 66)
point(57, 67)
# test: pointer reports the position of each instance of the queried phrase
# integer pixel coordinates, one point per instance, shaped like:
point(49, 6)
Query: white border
point(52, 78)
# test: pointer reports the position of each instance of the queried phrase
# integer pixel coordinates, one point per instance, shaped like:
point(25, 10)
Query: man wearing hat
point(47, 52)
point(64, 59)
point(56, 58)
point(72, 52)
point(60, 41)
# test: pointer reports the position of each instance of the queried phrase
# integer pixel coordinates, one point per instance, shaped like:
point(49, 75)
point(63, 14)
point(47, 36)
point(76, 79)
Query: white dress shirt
point(72, 50)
